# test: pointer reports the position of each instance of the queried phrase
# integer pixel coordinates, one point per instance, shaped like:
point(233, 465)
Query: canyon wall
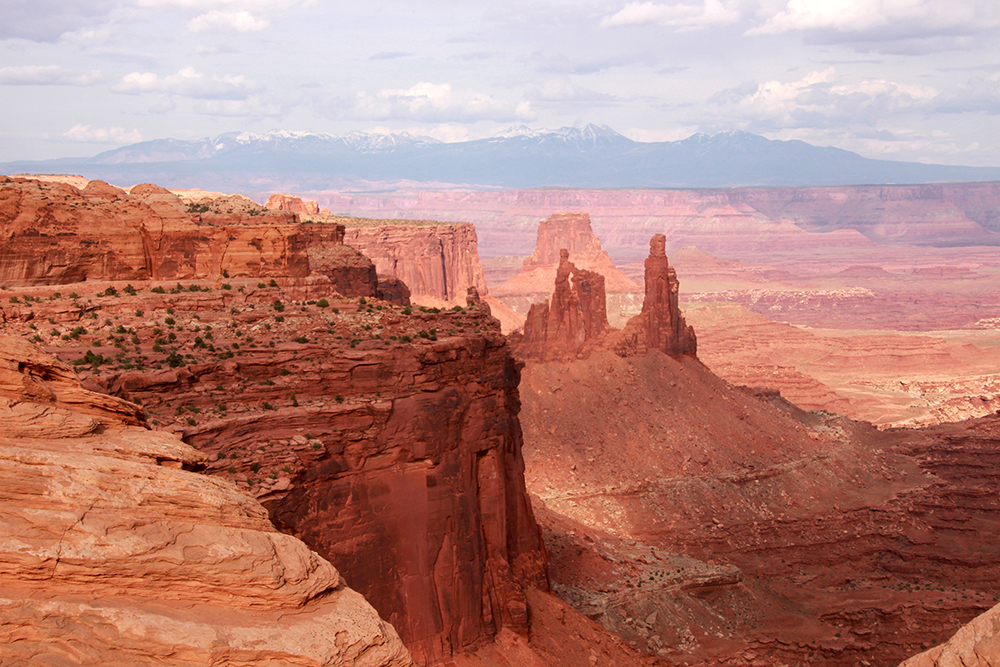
point(385, 437)
point(736, 223)
point(57, 234)
point(436, 261)
point(113, 552)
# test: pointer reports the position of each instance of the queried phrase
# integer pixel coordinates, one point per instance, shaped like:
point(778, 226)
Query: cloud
point(981, 94)
point(906, 27)
point(103, 135)
point(46, 75)
point(820, 99)
point(677, 15)
point(562, 90)
point(188, 83)
point(390, 55)
point(436, 103)
point(47, 20)
point(219, 21)
point(250, 107)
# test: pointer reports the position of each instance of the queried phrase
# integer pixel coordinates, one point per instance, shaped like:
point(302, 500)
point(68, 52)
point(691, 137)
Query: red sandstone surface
point(113, 552)
point(878, 376)
point(699, 523)
point(705, 526)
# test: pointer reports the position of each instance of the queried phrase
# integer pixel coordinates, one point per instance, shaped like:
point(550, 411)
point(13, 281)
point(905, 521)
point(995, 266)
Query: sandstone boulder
point(111, 552)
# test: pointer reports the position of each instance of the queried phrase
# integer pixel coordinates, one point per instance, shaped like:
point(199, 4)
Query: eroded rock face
point(572, 233)
point(57, 234)
point(575, 322)
point(438, 263)
point(976, 644)
point(384, 437)
point(112, 553)
point(283, 202)
point(660, 326)
point(575, 318)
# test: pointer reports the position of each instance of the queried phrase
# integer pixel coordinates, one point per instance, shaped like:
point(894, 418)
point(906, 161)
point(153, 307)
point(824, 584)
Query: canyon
point(597, 496)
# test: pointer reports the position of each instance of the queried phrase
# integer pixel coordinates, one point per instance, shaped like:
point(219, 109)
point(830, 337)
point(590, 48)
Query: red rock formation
point(575, 317)
point(57, 234)
point(660, 326)
point(976, 644)
point(111, 553)
point(571, 232)
point(575, 321)
point(410, 480)
point(283, 202)
point(437, 262)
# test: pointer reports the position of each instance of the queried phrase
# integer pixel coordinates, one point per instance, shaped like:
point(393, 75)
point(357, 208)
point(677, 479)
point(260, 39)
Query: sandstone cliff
point(111, 552)
point(57, 234)
point(439, 262)
point(976, 644)
point(385, 437)
point(283, 202)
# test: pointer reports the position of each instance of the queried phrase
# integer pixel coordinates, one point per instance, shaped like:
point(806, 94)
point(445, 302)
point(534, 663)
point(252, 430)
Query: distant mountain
point(593, 156)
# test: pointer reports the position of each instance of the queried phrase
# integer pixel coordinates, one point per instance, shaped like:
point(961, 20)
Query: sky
point(896, 79)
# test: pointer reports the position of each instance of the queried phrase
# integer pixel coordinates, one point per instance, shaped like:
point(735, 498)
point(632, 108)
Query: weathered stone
point(111, 553)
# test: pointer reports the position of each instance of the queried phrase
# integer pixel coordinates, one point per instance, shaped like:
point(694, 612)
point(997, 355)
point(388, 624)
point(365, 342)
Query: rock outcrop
point(575, 321)
point(437, 262)
point(572, 233)
point(660, 326)
point(112, 552)
point(575, 318)
point(384, 437)
point(283, 202)
point(57, 234)
point(976, 644)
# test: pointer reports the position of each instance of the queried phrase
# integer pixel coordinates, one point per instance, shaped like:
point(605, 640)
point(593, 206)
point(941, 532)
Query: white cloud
point(981, 94)
point(678, 15)
point(430, 102)
point(252, 107)
point(103, 135)
point(189, 83)
point(46, 75)
point(868, 15)
point(563, 90)
point(821, 99)
point(220, 21)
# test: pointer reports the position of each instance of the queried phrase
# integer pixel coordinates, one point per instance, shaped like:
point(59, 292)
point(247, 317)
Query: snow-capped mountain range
point(593, 156)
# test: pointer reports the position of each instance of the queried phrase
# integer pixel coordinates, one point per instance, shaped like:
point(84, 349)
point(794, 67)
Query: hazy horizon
point(915, 80)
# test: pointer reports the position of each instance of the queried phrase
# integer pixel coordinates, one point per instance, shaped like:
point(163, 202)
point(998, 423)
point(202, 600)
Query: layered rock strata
point(385, 437)
point(112, 552)
point(58, 234)
point(434, 260)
